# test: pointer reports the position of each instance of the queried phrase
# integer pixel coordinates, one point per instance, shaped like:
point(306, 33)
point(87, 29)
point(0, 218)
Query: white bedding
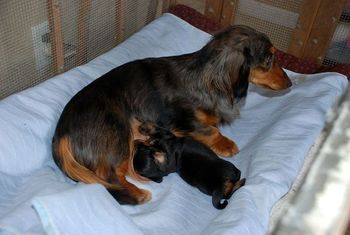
point(274, 134)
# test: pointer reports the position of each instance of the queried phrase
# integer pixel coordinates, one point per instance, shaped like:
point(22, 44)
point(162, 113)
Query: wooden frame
point(313, 33)
point(120, 21)
point(317, 22)
point(213, 9)
point(167, 4)
point(83, 26)
point(55, 25)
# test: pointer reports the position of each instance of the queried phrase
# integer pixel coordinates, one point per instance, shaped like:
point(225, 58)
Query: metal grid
point(339, 48)
point(277, 18)
point(88, 28)
point(17, 60)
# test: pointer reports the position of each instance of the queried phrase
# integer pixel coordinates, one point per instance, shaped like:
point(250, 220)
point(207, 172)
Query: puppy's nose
point(238, 174)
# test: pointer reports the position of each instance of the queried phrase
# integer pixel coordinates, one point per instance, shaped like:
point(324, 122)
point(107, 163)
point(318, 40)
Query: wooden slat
point(120, 21)
point(56, 36)
point(83, 26)
point(322, 31)
point(213, 9)
point(307, 15)
point(228, 12)
point(167, 4)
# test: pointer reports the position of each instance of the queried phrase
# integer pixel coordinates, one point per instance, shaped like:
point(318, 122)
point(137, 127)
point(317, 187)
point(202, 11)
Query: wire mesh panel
point(21, 64)
point(339, 49)
point(41, 38)
point(276, 18)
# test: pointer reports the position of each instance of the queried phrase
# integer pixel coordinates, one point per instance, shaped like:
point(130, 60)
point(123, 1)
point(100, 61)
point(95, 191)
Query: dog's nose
point(289, 82)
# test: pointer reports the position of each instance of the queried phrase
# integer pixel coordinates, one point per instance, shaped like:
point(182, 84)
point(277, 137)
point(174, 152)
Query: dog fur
point(193, 161)
point(188, 94)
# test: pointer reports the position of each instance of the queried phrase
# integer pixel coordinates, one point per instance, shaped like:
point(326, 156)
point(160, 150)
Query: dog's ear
point(241, 84)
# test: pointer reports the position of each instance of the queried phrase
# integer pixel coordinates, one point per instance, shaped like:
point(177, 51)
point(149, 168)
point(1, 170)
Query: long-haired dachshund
point(188, 94)
point(193, 161)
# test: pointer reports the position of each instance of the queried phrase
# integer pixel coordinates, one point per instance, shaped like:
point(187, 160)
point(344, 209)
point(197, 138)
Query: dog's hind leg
point(129, 194)
point(216, 200)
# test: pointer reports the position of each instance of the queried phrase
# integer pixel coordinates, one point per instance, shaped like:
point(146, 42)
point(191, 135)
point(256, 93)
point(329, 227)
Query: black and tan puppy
point(189, 94)
point(153, 163)
point(193, 161)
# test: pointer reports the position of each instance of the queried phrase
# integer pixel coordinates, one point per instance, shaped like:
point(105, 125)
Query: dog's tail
point(72, 168)
point(65, 160)
point(216, 200)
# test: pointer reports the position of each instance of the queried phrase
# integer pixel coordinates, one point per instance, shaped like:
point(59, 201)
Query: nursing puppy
point(193, 161)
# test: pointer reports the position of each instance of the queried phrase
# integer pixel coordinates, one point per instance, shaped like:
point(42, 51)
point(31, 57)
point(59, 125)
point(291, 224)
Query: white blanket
point(274, 133)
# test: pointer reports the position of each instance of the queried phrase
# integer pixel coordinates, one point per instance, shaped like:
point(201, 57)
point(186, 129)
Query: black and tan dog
point(188, 94)
point(193, 161)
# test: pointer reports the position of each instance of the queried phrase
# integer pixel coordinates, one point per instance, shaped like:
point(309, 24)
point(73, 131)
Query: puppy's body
point(201, 168)
point(194, 162)
point(189, 94)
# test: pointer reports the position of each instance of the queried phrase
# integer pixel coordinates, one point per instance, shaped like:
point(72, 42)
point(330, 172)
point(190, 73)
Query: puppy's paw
point(225, 147)
point(147, 128)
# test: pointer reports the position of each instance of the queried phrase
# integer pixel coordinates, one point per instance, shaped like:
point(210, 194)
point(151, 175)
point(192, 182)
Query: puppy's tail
point(216, 200)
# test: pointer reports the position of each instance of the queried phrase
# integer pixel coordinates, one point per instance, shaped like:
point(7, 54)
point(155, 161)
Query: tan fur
point(220, 144)
point(136, 136)
point(141, 195)
point(228, 187)
point(75, 170)
point(206, 118)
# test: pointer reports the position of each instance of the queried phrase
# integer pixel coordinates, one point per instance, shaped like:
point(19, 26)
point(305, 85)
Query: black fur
point(193, 161)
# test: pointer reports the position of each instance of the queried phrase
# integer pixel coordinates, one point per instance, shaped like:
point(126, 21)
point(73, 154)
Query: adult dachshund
point(188, 94)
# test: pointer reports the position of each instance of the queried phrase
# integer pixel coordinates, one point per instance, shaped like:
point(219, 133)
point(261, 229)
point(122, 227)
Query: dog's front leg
point(211, 136)
point(206, 131)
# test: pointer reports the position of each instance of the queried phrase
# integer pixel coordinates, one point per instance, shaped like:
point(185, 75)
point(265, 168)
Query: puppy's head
point(150, 162)
point(156, 160)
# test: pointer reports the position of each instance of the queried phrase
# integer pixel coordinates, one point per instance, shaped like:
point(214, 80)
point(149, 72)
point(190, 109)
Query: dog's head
point(242, 55)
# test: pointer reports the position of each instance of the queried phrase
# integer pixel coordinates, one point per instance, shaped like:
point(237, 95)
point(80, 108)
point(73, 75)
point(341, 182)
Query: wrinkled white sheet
point(274, 134)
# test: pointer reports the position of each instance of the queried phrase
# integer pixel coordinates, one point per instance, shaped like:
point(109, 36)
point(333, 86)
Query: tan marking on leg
point(140, 195)
point(206, 118)
point(228, 187)
point(220, 144)
point(135, 129)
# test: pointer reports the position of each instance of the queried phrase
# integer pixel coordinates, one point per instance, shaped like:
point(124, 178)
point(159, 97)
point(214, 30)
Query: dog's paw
point(225, 147)
point(144, 196)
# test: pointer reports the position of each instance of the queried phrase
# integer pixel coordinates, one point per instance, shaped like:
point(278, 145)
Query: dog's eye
point(268, 62)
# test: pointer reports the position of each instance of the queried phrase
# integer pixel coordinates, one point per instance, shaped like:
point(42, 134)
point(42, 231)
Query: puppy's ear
point(161, 160)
